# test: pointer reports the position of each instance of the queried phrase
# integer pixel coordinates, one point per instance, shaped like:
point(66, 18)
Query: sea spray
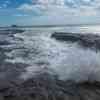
point(41, 53)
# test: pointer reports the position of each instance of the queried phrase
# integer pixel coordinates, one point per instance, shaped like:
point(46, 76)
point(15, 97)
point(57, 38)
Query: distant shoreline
point(42, 26)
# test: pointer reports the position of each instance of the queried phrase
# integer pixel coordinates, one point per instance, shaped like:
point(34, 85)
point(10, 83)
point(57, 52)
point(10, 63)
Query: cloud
point(88, 11)
point(64, 9)
point(61, 11)
point(26, 7)
point(47, 9)
point(20, 15)
point(7, 2)
point(51, 2)
point(4, 5)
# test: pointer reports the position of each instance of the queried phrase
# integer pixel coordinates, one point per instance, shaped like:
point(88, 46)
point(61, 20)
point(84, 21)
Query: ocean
point(25, 55)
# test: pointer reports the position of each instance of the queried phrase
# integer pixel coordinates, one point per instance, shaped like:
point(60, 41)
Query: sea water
point(41, 53)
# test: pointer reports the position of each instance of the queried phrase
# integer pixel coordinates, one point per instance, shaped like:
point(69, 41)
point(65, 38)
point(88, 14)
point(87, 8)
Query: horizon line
point(54, 25)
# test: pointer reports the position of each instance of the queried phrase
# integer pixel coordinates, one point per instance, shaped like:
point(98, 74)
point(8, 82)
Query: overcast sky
point(33, 12)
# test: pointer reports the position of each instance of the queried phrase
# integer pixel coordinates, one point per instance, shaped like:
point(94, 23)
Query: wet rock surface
point(48, 87)
point(91, 41)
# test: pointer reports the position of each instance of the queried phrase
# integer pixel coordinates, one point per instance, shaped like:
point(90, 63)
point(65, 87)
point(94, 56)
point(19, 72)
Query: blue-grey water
point(39, 53)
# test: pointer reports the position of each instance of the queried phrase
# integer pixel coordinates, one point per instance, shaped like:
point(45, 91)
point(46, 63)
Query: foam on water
point(67, 60)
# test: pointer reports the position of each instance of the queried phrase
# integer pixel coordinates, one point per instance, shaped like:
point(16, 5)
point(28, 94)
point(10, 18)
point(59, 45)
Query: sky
point(48, 12)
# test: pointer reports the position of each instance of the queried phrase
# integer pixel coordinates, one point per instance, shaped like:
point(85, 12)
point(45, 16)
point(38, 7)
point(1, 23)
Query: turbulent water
point(40, 53)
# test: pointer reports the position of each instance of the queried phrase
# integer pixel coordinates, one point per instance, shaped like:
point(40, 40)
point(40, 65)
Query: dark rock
point(48, 87)
point(84, 40)
point(4, 43)
point(66, 37)
point(11, 31)
point(14, 26)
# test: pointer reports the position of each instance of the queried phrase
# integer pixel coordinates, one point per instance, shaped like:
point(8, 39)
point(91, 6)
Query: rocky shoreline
point(91, 41)
point(48, 87)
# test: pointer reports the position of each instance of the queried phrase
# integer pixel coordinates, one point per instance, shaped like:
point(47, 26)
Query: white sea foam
point(67, 60)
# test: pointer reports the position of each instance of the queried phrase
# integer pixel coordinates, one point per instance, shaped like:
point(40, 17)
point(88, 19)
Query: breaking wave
point(43, 54)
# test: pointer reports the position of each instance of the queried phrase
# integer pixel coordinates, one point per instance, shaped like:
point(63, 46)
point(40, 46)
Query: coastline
point(48, 87)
